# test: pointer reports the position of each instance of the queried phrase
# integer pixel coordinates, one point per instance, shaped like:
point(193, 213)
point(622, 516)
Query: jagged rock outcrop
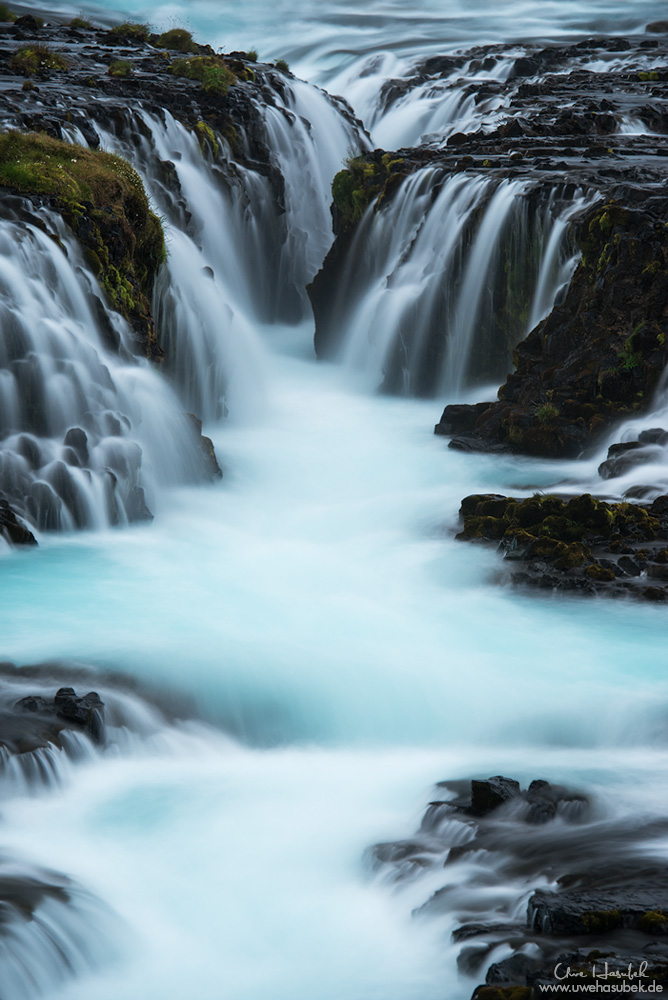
point(599, 354)
point(602, 916)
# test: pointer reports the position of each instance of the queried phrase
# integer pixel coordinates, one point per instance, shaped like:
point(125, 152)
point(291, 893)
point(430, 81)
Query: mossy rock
point(212, 72)
point(41, 59)
point(177, 39)
point(103, 200)
point(601, 921)
point(593, 515)
point(483, 527)
point(653, 922)
point(120, 67)
point(366, 178)
point(206, 137)
point(601, 574)
point(130, 31)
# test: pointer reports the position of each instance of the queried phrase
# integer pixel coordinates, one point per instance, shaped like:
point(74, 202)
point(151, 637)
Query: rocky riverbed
point(543, 877)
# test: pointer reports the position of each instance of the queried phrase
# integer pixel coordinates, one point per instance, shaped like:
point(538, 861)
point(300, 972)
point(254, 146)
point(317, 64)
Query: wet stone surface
point(546, 876)
point(579, 544)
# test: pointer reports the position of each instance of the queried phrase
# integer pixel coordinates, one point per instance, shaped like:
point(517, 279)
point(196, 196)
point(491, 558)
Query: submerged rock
point(47, 720)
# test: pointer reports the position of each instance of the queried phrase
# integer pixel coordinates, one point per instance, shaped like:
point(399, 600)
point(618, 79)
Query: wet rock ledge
point(598, 356)
point(562, 893)
point(582, 544)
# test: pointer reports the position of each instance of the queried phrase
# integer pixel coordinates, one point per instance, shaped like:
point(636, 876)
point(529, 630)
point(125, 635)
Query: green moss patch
point(211, 71)
point(206, 137)
point(556, 531)
point(177, 39)
point(120, 67)
point(365, 179)
point(6, 14)
point(103, 200)
point(129, 31)
point(35, 58)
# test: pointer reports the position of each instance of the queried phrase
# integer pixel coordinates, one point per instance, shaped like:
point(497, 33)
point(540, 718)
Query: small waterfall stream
point(438, 288)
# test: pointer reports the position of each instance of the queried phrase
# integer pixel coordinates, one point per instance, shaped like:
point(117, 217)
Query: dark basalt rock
point(634, 895)
point(606, 891)
point(12, 529)
point(579, 544)
point(210, 467)
point(492, 793)
point(48, 719)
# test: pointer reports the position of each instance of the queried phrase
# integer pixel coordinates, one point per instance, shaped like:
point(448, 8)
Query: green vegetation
point(653, 922)
point(206, 137)
point(79, 22)
point(628, 358)
point(599, 921)
point(35, 58)
point(651, 76)
point(282, 66)
point(103, 200)
point(178, 39)
point(130, 32)
point(557, 531)
point(120, 67)
point(252, 55)
point(211, 71)
point(547, 413)
point(364, 180)
point(6, 14)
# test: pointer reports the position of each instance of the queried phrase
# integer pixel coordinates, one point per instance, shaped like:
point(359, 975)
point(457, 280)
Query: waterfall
point(406, 112)
point(51, 930)
point(90, 432)
point(243, 244)
point(439, 285)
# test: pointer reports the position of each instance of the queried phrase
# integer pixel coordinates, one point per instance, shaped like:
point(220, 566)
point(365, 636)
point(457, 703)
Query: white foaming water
point(428, 299)
point(86, 426)
point(235, 261)
point(316, 605)
point(430, 111)
point(335, 521)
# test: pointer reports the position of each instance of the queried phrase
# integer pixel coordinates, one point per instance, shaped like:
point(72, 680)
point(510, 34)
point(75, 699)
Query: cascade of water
point(434, 108)
point(450, 281)
point(476, 295)
point(88, 427)
point(242, 245)
point(52, 930)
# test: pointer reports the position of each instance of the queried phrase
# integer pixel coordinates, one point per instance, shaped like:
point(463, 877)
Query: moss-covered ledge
point(580, 543)
point(370, 177)
point(102, 198)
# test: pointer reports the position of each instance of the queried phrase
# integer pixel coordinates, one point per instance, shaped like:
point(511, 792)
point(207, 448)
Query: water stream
point(323, 649)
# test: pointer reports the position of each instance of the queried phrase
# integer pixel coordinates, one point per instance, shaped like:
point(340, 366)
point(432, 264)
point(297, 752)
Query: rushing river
point(339, 650)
